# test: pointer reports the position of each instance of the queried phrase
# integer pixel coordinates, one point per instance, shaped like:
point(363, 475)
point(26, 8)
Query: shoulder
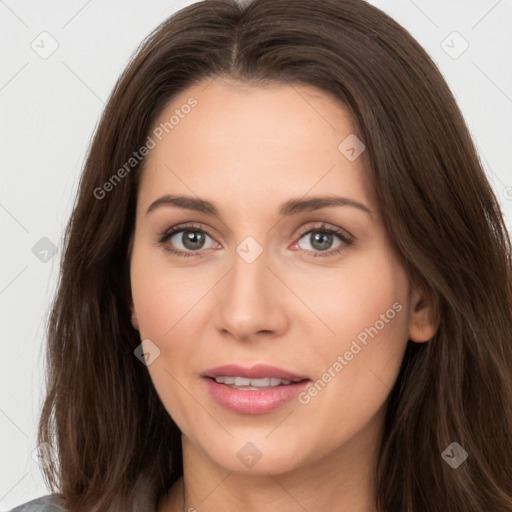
point(46, 503)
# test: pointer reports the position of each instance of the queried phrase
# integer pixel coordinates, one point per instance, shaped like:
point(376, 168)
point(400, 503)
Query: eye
point(185, 240)
point(321, 238)
point(190, 240)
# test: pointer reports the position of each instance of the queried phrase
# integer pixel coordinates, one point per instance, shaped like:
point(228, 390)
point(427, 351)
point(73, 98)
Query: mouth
point(256, 390)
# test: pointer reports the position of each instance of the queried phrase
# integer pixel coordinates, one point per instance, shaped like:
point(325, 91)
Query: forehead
point(253, 142)
point(233, 111)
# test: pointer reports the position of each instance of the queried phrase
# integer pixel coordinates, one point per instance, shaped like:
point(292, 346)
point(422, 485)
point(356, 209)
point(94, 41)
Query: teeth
point(267, 382)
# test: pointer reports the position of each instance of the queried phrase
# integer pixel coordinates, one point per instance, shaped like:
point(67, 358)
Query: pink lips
point(246, 401)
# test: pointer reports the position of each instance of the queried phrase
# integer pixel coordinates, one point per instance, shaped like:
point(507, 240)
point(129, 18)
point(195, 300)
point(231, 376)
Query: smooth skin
point(298, 305)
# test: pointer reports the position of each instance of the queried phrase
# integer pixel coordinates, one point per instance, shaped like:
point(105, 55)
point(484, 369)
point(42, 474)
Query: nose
point(252, 300)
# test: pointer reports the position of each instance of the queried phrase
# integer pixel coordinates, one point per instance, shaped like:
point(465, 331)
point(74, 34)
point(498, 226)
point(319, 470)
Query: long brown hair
point(102, 414)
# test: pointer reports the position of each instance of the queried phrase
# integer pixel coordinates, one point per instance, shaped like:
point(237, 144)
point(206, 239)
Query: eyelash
point(346, 239)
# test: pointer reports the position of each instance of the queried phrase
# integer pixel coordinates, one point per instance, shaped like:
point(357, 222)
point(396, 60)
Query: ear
point(423, 322)
point(135, 322)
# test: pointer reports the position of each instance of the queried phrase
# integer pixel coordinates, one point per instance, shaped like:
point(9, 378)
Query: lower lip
point(246, 401)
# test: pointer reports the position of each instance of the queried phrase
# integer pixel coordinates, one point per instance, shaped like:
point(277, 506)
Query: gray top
point(46, 503)
point(145, 502)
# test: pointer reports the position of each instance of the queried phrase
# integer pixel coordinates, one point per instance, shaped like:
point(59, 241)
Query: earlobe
point(422, 335)
point(135, 322)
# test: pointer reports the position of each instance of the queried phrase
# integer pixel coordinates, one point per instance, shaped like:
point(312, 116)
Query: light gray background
point(49, 108)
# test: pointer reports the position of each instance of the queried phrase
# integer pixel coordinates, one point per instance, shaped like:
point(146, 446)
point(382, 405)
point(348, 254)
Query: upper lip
point(259, 371)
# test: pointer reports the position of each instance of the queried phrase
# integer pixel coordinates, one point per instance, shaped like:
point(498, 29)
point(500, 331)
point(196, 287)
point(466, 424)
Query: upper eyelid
point(327, 227)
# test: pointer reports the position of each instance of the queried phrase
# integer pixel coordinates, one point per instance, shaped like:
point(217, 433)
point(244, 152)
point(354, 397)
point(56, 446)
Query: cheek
point(353, 297)
point(161, 295)
point(160, 303)
point(365, 313)
point(167, 301)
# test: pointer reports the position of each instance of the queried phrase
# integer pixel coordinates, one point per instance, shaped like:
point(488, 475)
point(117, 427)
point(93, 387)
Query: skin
point(249, 149)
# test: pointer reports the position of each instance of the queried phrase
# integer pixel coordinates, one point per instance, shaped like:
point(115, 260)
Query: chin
point(253, 454)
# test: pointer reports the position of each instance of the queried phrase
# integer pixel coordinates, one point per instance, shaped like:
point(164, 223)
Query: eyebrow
point(291, 207)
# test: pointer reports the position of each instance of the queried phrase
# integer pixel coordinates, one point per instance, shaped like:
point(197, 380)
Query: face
point(265, 280)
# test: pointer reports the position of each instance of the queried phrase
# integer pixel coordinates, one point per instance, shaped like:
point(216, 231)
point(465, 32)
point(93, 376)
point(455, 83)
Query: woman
point(287, 281)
